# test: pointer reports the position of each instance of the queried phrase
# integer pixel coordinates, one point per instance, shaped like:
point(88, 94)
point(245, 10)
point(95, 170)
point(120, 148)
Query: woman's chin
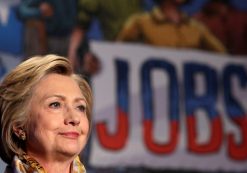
point(69, 150)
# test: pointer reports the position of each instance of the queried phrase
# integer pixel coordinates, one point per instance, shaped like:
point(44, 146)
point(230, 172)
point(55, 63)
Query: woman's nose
point(72, 117)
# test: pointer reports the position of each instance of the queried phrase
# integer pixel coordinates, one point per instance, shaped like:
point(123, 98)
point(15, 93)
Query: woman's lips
point(70, 135)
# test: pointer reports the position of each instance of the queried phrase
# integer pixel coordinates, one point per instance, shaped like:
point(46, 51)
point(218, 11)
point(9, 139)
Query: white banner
point(169, 109)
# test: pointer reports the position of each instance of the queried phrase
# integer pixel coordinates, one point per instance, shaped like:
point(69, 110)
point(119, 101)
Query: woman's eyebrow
point(80, 99)
point(45, 97)
point(62, 97)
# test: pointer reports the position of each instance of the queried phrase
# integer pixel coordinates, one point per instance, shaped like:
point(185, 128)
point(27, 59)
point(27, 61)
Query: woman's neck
point(53, 167)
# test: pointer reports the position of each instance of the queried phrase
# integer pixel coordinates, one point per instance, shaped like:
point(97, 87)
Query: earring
point(23, 136)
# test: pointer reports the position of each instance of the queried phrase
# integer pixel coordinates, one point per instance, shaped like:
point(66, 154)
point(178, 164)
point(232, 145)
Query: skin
point(91, 64)
point(46, 9)
point(58, 124)
point(77, 35)
point(171, 11)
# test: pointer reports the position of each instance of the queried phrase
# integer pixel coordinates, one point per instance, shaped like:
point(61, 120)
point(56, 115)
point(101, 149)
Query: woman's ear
point(19, 132)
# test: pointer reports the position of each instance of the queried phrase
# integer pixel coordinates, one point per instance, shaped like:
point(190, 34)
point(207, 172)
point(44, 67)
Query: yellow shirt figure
point(155, 29)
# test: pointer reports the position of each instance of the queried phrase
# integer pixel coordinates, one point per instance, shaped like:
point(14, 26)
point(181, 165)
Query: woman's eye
point(82, 108)
point(55, 105)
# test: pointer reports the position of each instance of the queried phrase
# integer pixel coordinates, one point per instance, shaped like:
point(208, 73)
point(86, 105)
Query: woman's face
point(58, 123)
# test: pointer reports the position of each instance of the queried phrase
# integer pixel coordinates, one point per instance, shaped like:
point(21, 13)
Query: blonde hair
point(16, 92)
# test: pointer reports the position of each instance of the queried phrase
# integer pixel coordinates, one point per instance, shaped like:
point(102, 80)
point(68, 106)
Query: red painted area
point(238, 151)
point(156, 147)
point(216, 136)
point(117, 140)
